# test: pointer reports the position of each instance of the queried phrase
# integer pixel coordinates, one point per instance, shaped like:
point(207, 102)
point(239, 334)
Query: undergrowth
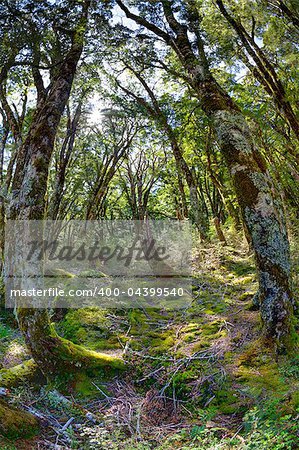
point(197, 378)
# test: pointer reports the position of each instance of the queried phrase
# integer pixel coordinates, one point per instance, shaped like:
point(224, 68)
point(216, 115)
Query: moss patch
point(19, 374)
point(15, 423)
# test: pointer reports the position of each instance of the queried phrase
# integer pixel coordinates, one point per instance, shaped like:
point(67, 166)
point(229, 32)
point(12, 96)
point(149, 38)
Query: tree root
point(57, 357)
point(65, 356)
point(19, 374)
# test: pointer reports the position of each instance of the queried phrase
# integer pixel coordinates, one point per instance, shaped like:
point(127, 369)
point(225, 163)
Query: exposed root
point(27, 371)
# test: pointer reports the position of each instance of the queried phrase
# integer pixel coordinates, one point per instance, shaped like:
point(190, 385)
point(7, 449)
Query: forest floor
point(197, 378)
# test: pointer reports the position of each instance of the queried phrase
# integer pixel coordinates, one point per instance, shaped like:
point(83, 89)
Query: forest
point(179, 113)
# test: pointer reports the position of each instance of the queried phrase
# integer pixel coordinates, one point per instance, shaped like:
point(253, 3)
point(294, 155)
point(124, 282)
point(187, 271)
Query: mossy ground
point(197, 378)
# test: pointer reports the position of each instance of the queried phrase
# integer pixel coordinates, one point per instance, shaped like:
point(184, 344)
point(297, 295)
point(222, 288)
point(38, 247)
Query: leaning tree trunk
point(260, 204)
point(2, 197)
point(261, 209)
point(54, 355)
point(263, 215)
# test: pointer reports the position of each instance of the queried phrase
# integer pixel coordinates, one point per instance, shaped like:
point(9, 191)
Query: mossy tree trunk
point(53, 354)
point(2, 198)
point(263, 215)
point(56, 356)
point(260, 204)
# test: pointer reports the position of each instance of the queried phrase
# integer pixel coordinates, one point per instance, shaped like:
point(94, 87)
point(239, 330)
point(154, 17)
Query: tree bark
point(54, 355)
point(4, 138)
point(260, 204)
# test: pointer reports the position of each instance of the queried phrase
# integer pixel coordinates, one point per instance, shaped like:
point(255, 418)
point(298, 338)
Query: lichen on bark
point(263, 215)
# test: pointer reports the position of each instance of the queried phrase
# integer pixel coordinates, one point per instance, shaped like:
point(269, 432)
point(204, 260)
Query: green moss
point(211, 328)
point(190, 337)
point(209, 312)
point(90, 327)
point(26, 371)
point(163, 343)
point(260, 371)
point(5, 331)
point(112, 343)
point(190, 332)
point(87, 388)
point(226, 400)
point(240, 268)
point(92, 273)
point(59, 273)
point(201, 344)
point(79, 359)
point(190, 328)
point(182, 382)
point(136, 316)
point(15, 423)
point(246, 296)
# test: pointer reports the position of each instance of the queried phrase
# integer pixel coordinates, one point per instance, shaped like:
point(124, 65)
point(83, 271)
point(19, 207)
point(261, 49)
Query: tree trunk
point(260, 204)
point(219, 231)
point(184, 208)
point(54, 355)
point(2, 195)
point(57, 356)
point(263, 215)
